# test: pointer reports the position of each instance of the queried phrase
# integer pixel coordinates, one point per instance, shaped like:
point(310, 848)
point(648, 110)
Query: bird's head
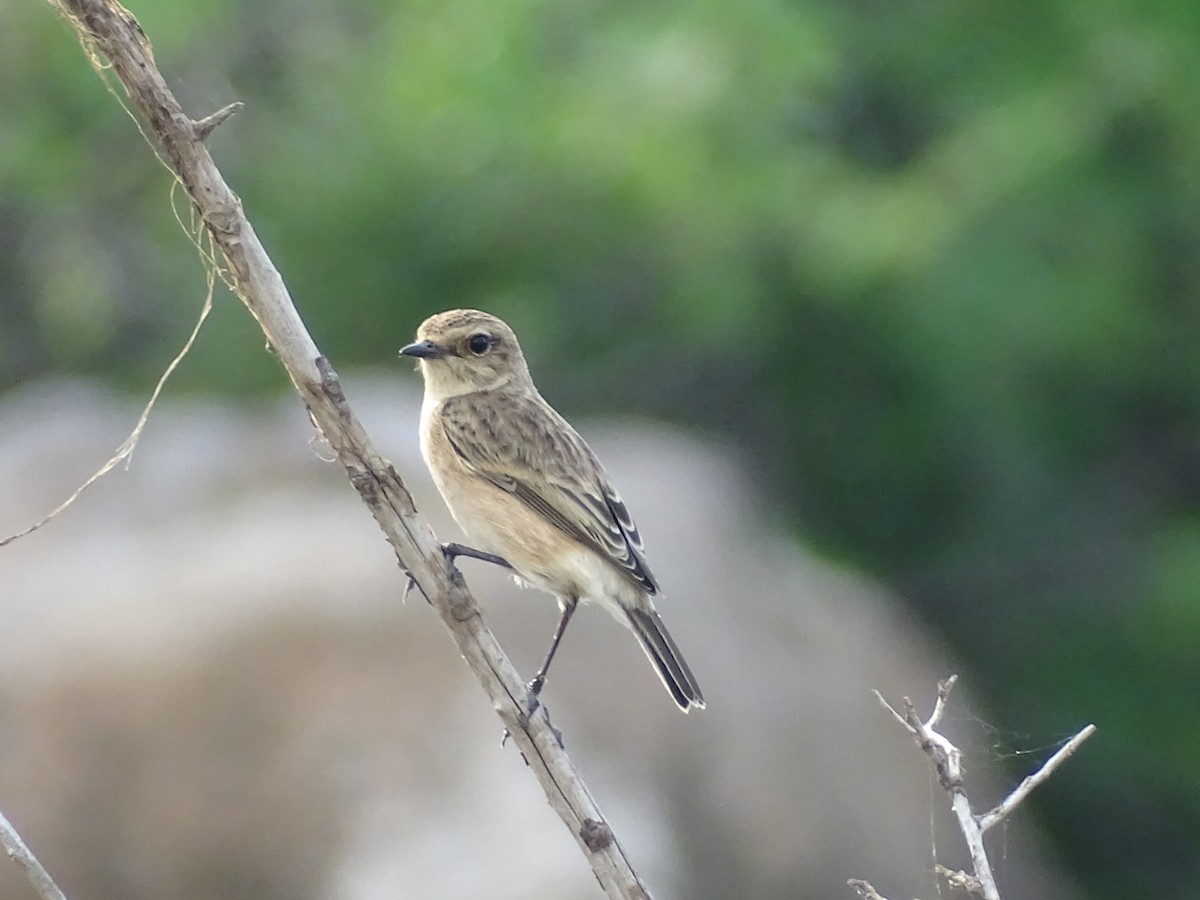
point(462, 351)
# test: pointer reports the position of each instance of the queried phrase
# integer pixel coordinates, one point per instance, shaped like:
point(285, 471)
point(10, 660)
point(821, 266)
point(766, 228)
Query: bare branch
point(112, 36)
point(895, 714)
point(23, 856)
point(947, 762)
point(945, 686)
point(865, 889)
point(1023, 790)
point(960, 881)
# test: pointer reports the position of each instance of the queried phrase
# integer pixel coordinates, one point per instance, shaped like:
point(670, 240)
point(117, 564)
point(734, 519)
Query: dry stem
point(23, 856)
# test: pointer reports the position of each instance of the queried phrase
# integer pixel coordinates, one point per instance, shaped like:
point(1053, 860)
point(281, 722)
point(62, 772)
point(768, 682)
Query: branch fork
point(947, 762)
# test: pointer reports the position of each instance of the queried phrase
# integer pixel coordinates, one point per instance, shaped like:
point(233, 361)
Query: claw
point(533, 704)
point(535, 689)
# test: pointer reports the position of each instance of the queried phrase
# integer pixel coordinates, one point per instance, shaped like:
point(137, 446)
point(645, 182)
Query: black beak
point(423, 350)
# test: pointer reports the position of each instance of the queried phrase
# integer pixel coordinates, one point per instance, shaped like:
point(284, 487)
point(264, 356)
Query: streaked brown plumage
point(524, 485)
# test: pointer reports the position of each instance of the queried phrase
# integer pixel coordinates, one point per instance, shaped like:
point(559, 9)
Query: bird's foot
point(534, 689)
point(532, 705)
point(452, 551)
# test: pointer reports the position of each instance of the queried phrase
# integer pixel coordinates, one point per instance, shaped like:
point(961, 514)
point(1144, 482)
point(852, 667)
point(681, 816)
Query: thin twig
point(865, 889)
point(124, 453)
point(945, 686)
point(108, 32)
point(896, 715)
point(958, 880)
point(202, 128)
point(23, 856)
point(1023, 790)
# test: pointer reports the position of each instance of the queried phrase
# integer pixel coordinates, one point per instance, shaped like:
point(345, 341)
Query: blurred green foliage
point(932, 266)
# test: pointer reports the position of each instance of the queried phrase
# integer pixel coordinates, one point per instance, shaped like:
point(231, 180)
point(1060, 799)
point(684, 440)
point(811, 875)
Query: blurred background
point(916, 280)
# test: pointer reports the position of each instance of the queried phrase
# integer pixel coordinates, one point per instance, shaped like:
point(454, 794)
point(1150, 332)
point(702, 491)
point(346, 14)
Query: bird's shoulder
point(517, 430)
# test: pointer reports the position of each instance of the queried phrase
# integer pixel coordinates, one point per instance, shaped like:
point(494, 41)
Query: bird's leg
point(453, 551)
point(539, 680)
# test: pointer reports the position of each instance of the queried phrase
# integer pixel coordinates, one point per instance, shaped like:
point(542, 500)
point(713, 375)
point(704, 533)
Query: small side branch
point(865, 889)
point(202, 128)
point(1025, 788)
point(23, 857)
point(948, 763)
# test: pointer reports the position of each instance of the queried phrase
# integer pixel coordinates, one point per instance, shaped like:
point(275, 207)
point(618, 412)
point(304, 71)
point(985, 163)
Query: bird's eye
point(479, 344)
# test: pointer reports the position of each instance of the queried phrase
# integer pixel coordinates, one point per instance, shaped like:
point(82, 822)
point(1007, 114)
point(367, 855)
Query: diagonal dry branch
point(113, 40)
point(23, 856)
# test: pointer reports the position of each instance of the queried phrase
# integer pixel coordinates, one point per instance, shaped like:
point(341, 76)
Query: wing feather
point(521, 445)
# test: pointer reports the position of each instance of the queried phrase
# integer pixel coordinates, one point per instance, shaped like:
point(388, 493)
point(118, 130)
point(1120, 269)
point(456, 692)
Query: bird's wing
point(521, 445)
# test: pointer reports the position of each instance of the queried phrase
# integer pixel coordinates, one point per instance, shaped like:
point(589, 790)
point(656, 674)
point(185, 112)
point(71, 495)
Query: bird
point(524, 486)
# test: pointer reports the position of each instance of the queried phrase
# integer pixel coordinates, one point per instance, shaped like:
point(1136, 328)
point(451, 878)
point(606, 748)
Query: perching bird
point(523, 485)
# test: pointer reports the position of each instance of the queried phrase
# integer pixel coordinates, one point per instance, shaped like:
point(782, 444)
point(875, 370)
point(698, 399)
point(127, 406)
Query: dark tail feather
point(668, 661)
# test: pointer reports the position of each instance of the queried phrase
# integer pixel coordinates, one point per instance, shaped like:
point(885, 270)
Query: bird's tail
point(652, 634)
